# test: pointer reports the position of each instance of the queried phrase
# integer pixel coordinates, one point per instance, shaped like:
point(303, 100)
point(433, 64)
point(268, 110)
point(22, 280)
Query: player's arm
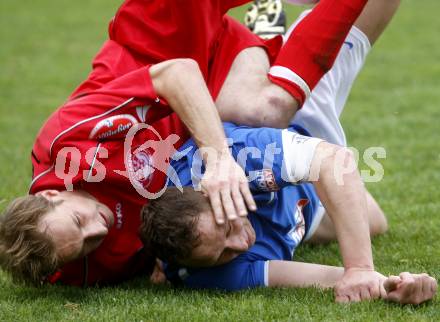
point(181, 83)
point(341, 191)
point(405, 289)
point(333, 171)
point(297, 274)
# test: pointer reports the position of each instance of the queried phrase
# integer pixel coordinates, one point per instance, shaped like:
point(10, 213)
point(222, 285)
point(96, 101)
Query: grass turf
point(46, 49)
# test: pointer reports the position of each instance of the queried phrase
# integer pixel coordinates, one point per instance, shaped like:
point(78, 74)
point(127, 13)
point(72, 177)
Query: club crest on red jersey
point(113, 127)
point(140, 168)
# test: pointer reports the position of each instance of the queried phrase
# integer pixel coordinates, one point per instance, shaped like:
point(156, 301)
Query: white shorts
point(321, 111)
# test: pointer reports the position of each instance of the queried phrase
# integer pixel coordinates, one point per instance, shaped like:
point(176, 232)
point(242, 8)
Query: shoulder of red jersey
point(72, 138)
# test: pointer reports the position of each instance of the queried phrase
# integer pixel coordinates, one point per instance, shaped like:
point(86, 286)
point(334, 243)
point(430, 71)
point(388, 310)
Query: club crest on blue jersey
point(265, 180)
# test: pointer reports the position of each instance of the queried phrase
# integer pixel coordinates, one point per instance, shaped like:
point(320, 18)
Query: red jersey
point(81, 146)
point(167, 29)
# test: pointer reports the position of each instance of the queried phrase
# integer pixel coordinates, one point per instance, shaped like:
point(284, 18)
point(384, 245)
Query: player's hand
point(227, 187)
point(359, 285)
point(410, 288)
point(158, 275)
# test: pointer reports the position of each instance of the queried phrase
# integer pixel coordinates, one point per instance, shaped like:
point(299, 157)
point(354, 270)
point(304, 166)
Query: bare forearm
point(404, 289)
point(181, 83)
point(346, 204)
point(297, 274)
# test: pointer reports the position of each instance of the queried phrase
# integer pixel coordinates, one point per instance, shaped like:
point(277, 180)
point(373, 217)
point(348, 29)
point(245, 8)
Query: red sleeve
point(107, 113)
point(134, 84)
point(111, 110)
point(111, 62)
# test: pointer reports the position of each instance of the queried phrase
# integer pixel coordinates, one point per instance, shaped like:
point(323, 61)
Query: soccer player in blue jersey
point(258, 252)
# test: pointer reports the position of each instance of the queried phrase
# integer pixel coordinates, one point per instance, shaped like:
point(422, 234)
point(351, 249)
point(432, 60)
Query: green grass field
point(45, 51)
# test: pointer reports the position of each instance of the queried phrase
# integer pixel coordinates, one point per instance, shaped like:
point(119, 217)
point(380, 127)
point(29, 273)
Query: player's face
point(220, 244)
point(78, 224)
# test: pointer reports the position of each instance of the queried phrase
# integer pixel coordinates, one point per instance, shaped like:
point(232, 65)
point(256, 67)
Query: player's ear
point(48, 194)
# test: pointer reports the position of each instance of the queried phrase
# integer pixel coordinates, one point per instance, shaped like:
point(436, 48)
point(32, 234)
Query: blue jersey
point(285, 212)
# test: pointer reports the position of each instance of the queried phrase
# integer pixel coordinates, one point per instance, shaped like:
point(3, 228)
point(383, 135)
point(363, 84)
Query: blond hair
point(27, 253)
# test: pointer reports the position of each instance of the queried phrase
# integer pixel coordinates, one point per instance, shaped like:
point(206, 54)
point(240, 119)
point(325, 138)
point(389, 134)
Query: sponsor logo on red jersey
point(119, 215)
point(113, 127)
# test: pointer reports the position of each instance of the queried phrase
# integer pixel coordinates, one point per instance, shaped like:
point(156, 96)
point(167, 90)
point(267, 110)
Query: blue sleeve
point(259, 151)
point(234, 276)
